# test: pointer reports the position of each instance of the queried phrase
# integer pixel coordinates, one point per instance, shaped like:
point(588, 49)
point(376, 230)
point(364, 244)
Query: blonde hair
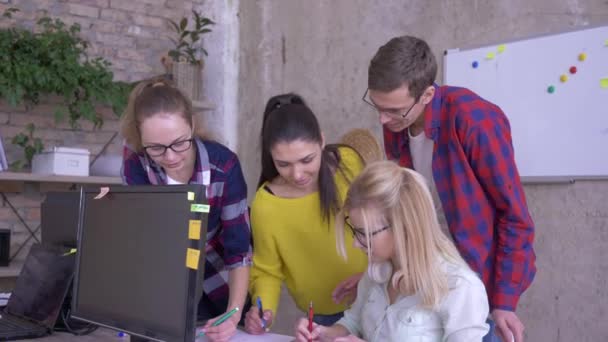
point(152, 97)
point(402, 197)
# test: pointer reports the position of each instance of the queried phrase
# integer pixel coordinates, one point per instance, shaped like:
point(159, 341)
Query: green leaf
point(183, 24)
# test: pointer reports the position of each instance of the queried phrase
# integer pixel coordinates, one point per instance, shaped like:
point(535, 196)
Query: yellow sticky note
point(199, 208)
point(192, 256)
point(501, 48)
point(190, 196)
point(194, 230)
point(604, 82)
point(490, 55)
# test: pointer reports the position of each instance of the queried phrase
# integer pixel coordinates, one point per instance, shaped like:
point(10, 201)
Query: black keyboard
point(10, 325)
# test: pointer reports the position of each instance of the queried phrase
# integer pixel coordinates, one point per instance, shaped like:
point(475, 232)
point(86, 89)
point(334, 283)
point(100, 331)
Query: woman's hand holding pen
point(253, 322)
point(304, 335)
point(224, 331)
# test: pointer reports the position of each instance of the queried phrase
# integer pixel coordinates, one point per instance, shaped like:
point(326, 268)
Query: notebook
point(39, 292)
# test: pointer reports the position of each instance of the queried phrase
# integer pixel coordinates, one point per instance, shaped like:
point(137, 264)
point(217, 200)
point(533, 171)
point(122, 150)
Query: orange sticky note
point(192, 256)
point(194, 230)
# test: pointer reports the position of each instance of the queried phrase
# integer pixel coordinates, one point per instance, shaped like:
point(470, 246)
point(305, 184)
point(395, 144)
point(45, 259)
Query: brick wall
point(131, 34)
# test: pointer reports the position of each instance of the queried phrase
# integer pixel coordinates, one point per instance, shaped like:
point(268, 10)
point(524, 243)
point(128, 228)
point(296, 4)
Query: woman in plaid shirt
point(164, 145)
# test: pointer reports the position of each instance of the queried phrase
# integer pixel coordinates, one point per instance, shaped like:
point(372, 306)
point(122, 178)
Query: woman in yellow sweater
point(301, 189)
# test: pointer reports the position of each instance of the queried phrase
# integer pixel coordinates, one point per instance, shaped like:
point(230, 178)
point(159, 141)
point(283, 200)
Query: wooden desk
point(13, 181)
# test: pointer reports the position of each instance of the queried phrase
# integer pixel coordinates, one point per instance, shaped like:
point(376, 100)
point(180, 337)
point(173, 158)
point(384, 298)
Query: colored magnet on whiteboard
point(199, 208)
point(490, 55)
point(192, 256)
point(604, 83)
point(573, 70)
point(606, 43)
point(563, 78)
point(501, 48)
point(551, 90)
point(475, 64)
point(582, 57)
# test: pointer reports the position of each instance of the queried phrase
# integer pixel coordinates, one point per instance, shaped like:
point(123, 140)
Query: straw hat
point(364, 142)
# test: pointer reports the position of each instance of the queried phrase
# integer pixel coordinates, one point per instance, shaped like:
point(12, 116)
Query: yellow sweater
point(293, 243)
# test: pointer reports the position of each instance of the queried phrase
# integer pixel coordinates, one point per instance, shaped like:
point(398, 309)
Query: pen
point(220, 320)
point(310, 314)
point(261, 310)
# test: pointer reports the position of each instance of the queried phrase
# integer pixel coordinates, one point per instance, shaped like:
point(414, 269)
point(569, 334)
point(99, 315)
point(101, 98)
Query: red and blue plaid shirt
point(228, 231)
point(479, 188)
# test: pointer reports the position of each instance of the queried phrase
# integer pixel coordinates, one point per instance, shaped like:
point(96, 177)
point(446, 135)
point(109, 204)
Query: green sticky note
point(72, 251)
point(190, 196)
point(199, 208)
point(604, 82)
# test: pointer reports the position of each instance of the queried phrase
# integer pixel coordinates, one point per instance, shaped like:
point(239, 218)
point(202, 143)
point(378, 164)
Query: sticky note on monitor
point(194, 230)
point(190, 196)
point(199, 208)
point(192, 256)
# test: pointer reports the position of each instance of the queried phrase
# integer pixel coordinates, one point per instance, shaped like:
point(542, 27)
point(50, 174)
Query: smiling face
point(298, 162)
point(169, 129)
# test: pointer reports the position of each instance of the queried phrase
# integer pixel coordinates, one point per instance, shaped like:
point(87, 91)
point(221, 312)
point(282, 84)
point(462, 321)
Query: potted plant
point(186, 64)
point(52, 61)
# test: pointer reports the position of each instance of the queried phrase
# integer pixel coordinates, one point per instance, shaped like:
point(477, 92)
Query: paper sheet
point(242, 336)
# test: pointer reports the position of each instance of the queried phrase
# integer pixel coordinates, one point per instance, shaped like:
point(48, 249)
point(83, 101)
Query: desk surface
point(103, 334)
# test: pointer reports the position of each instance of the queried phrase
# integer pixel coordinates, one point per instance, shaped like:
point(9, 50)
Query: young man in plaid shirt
point(462, 144)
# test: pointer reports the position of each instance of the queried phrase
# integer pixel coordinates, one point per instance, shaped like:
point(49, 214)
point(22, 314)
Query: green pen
point(220, 320)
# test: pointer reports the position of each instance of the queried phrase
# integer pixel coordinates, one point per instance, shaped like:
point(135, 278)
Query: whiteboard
point(563, 133)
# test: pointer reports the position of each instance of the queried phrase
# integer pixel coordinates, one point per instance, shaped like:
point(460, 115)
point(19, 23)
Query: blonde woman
point(417, 287)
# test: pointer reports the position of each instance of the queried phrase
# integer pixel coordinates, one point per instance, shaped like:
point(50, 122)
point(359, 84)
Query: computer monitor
point(59, 218)
point(131, 270)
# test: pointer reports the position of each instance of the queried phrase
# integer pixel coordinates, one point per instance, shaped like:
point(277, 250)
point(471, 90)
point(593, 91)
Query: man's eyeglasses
point(359, 233)
point(396, 113)
point(158, 150)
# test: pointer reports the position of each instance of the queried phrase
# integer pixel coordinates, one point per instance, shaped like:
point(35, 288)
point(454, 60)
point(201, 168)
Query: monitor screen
point(131, 265)
point(42, 285)
point(59, 218)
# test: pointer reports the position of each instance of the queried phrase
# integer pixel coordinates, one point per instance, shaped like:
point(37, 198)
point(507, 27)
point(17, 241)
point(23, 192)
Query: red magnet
point(573, 70)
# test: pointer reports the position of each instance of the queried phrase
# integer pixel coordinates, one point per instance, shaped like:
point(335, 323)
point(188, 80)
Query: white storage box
point(62, 161)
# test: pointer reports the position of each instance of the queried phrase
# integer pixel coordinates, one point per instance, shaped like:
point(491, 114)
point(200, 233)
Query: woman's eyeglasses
point(158, 150)
point(359, 233)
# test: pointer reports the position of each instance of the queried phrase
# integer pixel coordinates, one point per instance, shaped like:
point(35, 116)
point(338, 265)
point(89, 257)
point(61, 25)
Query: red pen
point(310, 314)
